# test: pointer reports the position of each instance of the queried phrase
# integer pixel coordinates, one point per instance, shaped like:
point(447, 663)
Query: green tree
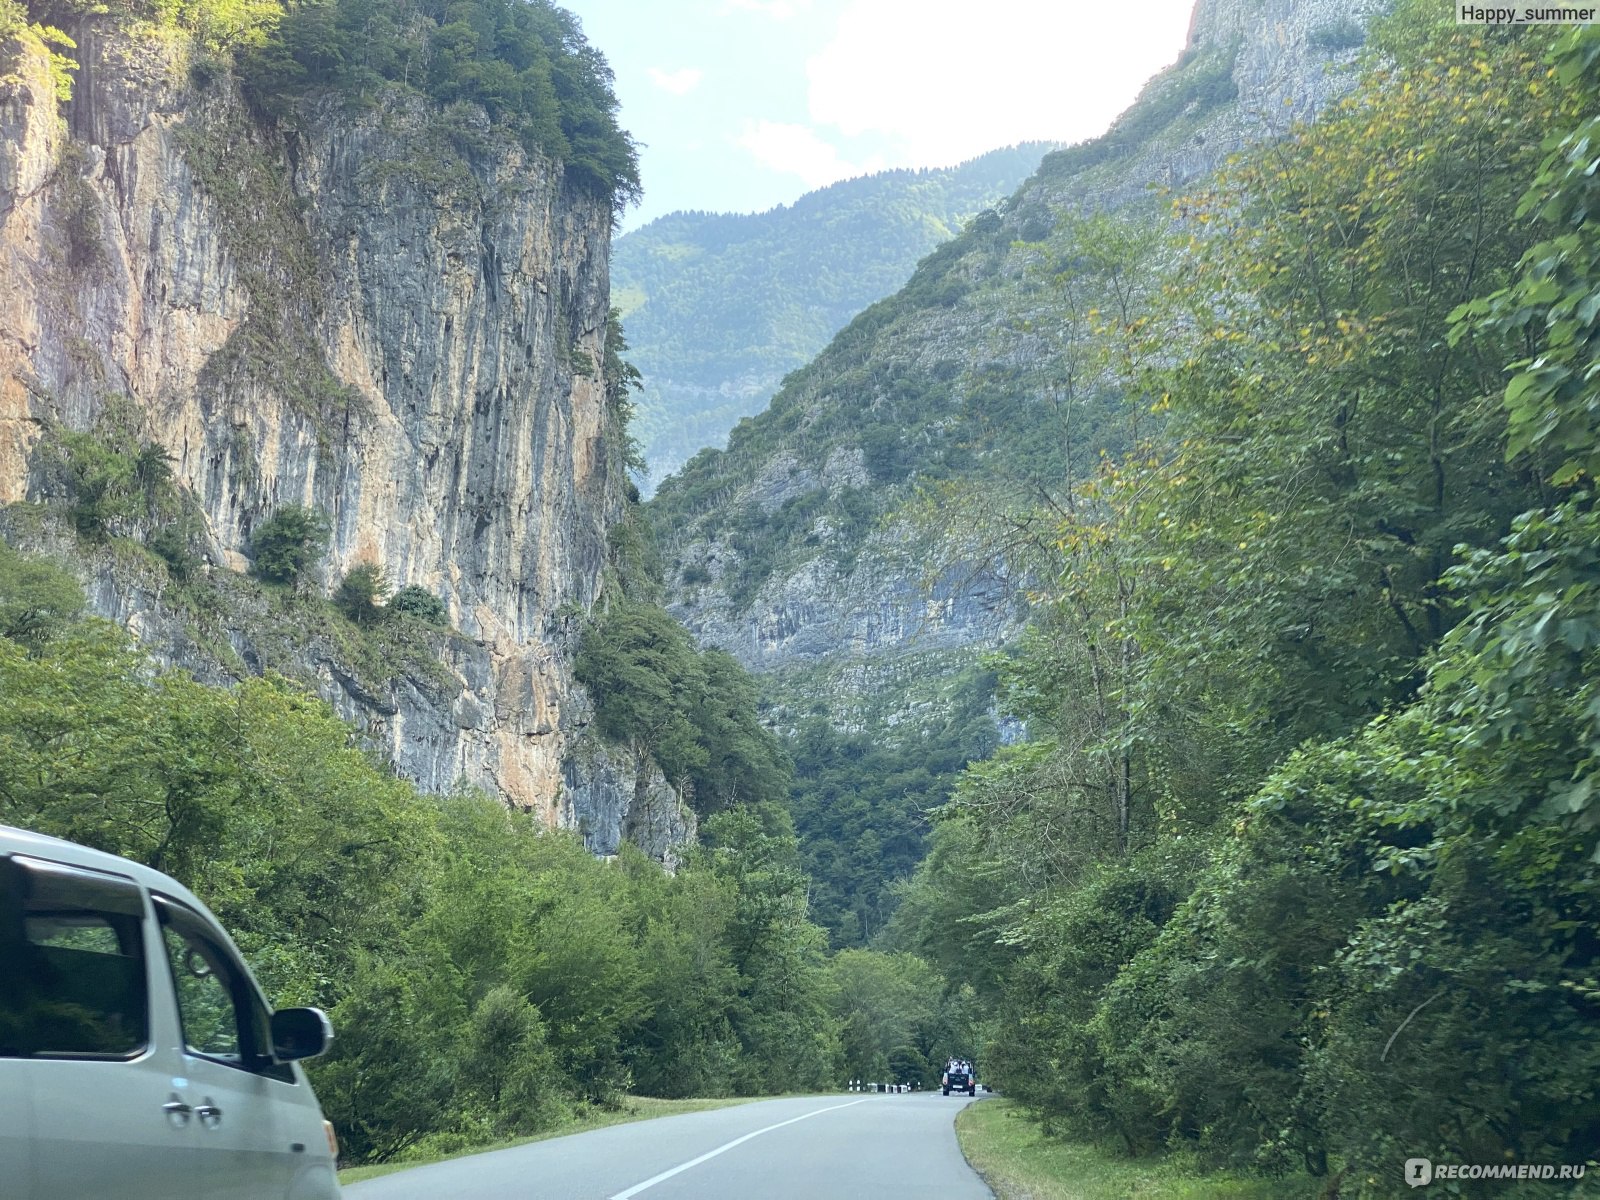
point(360, 594)
point(687, 1045)
point(37, 597)
point(744, 763)
point(692, 713)
point(644, 676)
point(887, 1007)
point(786, 1040)
point(289, 544)
point(416, 601)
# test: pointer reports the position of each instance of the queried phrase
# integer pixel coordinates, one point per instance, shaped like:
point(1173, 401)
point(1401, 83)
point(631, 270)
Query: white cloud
point(797, 150)
point(680, 82)
point(946, 80)
point(778, 10)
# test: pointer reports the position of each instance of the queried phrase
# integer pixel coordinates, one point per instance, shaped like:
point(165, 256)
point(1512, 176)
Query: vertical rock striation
point(397, 317)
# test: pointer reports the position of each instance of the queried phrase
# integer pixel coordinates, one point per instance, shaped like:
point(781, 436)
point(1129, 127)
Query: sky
point(742, 105)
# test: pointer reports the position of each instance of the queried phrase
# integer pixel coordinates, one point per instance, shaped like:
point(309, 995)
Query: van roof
point(42, 845)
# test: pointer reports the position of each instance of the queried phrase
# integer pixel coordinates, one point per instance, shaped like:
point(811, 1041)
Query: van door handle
point(177, 1111)
point(210, 1115)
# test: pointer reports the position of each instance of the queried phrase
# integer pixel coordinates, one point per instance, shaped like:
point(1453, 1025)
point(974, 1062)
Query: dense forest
point(1298, 869)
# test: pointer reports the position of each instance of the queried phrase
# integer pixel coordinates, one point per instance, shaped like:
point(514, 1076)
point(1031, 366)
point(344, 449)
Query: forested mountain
point(861, 542)
point(719, 307)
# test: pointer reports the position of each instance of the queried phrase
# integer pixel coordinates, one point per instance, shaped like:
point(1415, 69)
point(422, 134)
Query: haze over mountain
point(718, 308)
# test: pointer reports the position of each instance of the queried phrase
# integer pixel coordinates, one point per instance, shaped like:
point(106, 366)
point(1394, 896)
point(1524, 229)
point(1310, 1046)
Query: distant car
point(958, 1077)
point(137, 1057)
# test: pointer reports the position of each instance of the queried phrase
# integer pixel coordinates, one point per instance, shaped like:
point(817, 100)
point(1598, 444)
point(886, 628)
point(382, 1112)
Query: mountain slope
point(820, 547)
point(719, 307)
point(774, 541)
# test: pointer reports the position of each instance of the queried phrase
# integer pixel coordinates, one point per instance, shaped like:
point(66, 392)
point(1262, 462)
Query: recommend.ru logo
point(1422, 1171)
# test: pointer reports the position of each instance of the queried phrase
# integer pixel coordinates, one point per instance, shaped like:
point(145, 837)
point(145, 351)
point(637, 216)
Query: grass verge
point(634, 1108)
point(1020, 1163)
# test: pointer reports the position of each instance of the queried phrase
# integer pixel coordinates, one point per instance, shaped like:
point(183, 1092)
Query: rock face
point(839, 593)
point(393, 317)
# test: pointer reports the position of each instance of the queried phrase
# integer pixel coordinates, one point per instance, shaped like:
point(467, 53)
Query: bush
point(170, 543)
point(1341, 34)
point(419, 602)
point(360, 594)
point(289, 543)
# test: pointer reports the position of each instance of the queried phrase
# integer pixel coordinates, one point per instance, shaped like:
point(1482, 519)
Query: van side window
point(72, 941)
point(222, 1017)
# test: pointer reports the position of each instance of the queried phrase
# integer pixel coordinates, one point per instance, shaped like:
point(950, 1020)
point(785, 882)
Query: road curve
point(809, 1148)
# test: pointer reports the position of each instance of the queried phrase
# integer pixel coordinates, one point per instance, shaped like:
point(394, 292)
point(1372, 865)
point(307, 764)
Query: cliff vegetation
point(525, 63)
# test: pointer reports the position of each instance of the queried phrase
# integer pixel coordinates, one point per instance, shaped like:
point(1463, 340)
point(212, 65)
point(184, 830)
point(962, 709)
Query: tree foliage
point(290, 543)
point(1350, 915)
point(414, 600)
point(362, 592)
point(487, 977)
point(524, 62)
point(693, 712)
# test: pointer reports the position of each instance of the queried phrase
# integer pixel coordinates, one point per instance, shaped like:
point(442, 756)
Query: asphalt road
point(797, 1149)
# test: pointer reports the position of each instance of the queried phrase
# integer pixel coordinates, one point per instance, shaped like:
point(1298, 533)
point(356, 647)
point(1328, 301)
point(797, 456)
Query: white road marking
point(695, 1162)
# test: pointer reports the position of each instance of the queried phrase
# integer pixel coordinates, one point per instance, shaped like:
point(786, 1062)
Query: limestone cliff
point(396, 317)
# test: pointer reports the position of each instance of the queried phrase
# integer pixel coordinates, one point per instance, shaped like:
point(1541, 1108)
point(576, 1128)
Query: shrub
point(419, 602)
point(360, 595)
point(290, 542)
point(170, 543)
point(1341, 34)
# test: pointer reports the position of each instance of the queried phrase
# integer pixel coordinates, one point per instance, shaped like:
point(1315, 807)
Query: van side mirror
point(300, 1033)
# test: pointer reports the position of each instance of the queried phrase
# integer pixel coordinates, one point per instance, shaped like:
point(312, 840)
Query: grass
point(1020, 1163)
point(634, 1108)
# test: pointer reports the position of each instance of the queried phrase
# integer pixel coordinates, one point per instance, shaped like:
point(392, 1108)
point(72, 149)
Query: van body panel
point(16, 1126)
point(103, 1121)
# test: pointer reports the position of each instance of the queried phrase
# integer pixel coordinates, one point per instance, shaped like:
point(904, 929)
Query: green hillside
point(719, 307)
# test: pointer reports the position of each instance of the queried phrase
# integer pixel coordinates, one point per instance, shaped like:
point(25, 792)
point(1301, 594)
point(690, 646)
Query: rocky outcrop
point(394, 317)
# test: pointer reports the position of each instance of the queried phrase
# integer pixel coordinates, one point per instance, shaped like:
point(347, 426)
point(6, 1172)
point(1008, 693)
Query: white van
point(137, 1058)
